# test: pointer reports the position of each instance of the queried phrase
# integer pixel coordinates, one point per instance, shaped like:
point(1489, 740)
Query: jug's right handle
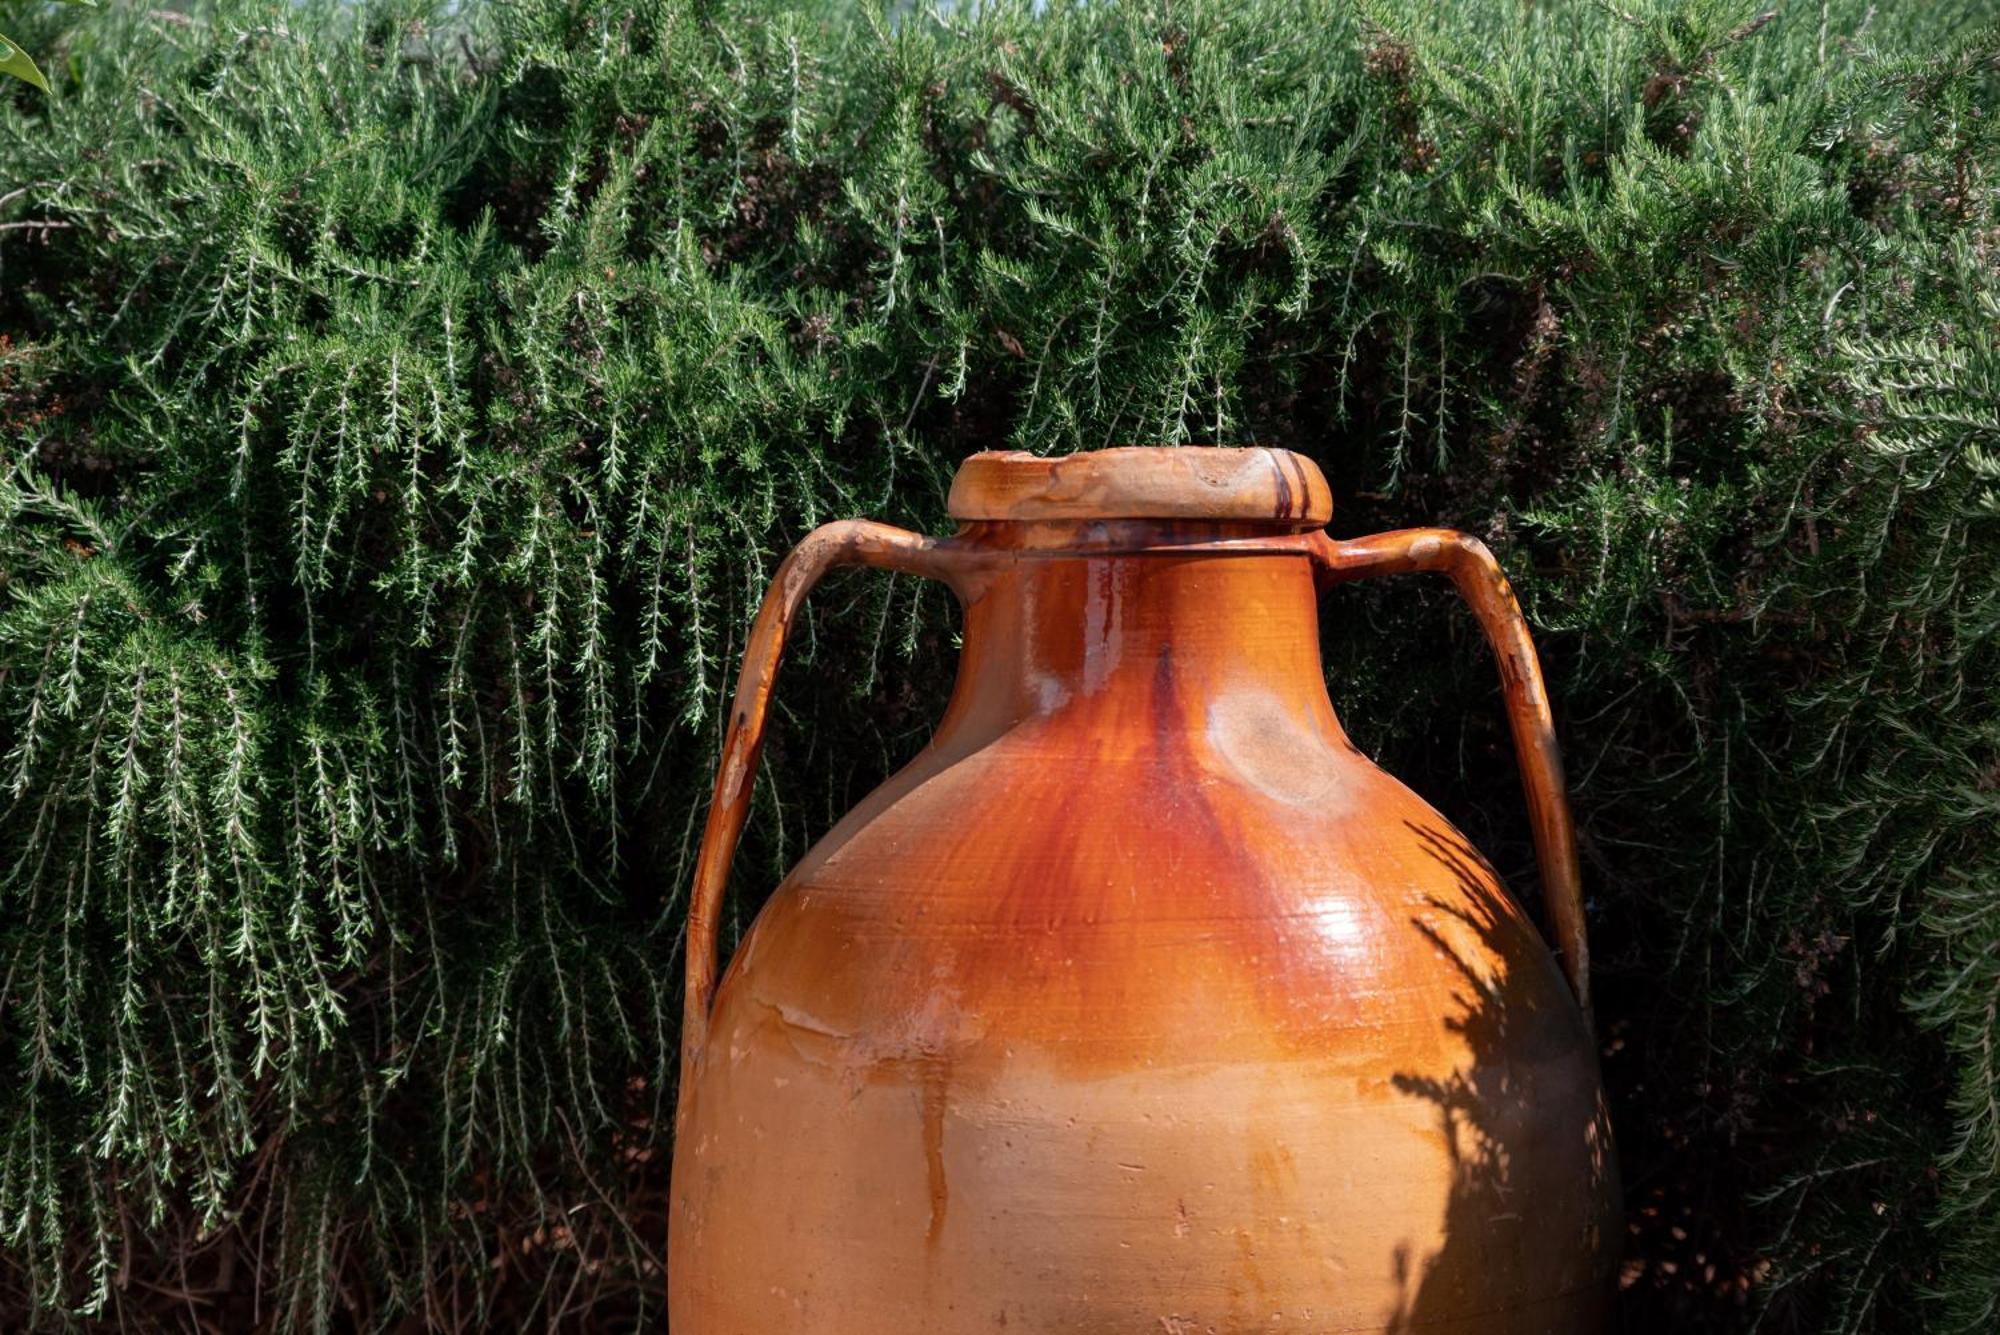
point(1484, 585)
point(850, 542)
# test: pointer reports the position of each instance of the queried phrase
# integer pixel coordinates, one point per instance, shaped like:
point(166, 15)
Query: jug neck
point(1114, 624)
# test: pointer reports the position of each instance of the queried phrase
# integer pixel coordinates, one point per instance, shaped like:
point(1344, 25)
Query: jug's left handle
point(1484, 586)
point(850, 542)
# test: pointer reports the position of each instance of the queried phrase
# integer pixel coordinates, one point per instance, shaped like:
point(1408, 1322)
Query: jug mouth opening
point(1243, 491)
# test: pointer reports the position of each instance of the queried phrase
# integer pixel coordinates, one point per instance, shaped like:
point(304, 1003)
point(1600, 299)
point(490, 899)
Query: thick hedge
point(403, 407)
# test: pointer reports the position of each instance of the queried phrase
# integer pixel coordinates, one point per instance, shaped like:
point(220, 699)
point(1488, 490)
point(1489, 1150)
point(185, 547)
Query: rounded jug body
point(1140, 1000)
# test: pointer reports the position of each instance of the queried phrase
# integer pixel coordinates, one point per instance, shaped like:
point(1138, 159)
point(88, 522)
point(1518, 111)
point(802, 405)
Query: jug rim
point(1254, 484)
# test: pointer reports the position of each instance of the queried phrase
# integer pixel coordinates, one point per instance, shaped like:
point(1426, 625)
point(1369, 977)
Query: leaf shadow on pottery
point(1492, 1113)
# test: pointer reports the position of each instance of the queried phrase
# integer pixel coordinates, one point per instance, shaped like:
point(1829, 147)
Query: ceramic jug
point(1140, 1001)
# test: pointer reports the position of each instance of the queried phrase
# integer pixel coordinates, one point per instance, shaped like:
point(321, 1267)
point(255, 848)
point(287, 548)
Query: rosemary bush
point(404, 405)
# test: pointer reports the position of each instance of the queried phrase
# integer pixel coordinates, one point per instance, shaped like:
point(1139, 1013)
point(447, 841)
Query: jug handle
point(1484, 585)
point(849, 542)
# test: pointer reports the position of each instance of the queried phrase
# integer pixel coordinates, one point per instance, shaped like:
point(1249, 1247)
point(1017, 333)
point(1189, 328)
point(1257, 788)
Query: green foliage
point(403, 408)
point(15, 61)
point(19, 64)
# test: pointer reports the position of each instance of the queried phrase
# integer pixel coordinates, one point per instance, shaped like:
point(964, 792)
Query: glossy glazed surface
point(1139, 1000)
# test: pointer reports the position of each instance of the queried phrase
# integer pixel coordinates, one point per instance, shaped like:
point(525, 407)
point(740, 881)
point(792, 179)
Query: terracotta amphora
point(1140, 1001)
